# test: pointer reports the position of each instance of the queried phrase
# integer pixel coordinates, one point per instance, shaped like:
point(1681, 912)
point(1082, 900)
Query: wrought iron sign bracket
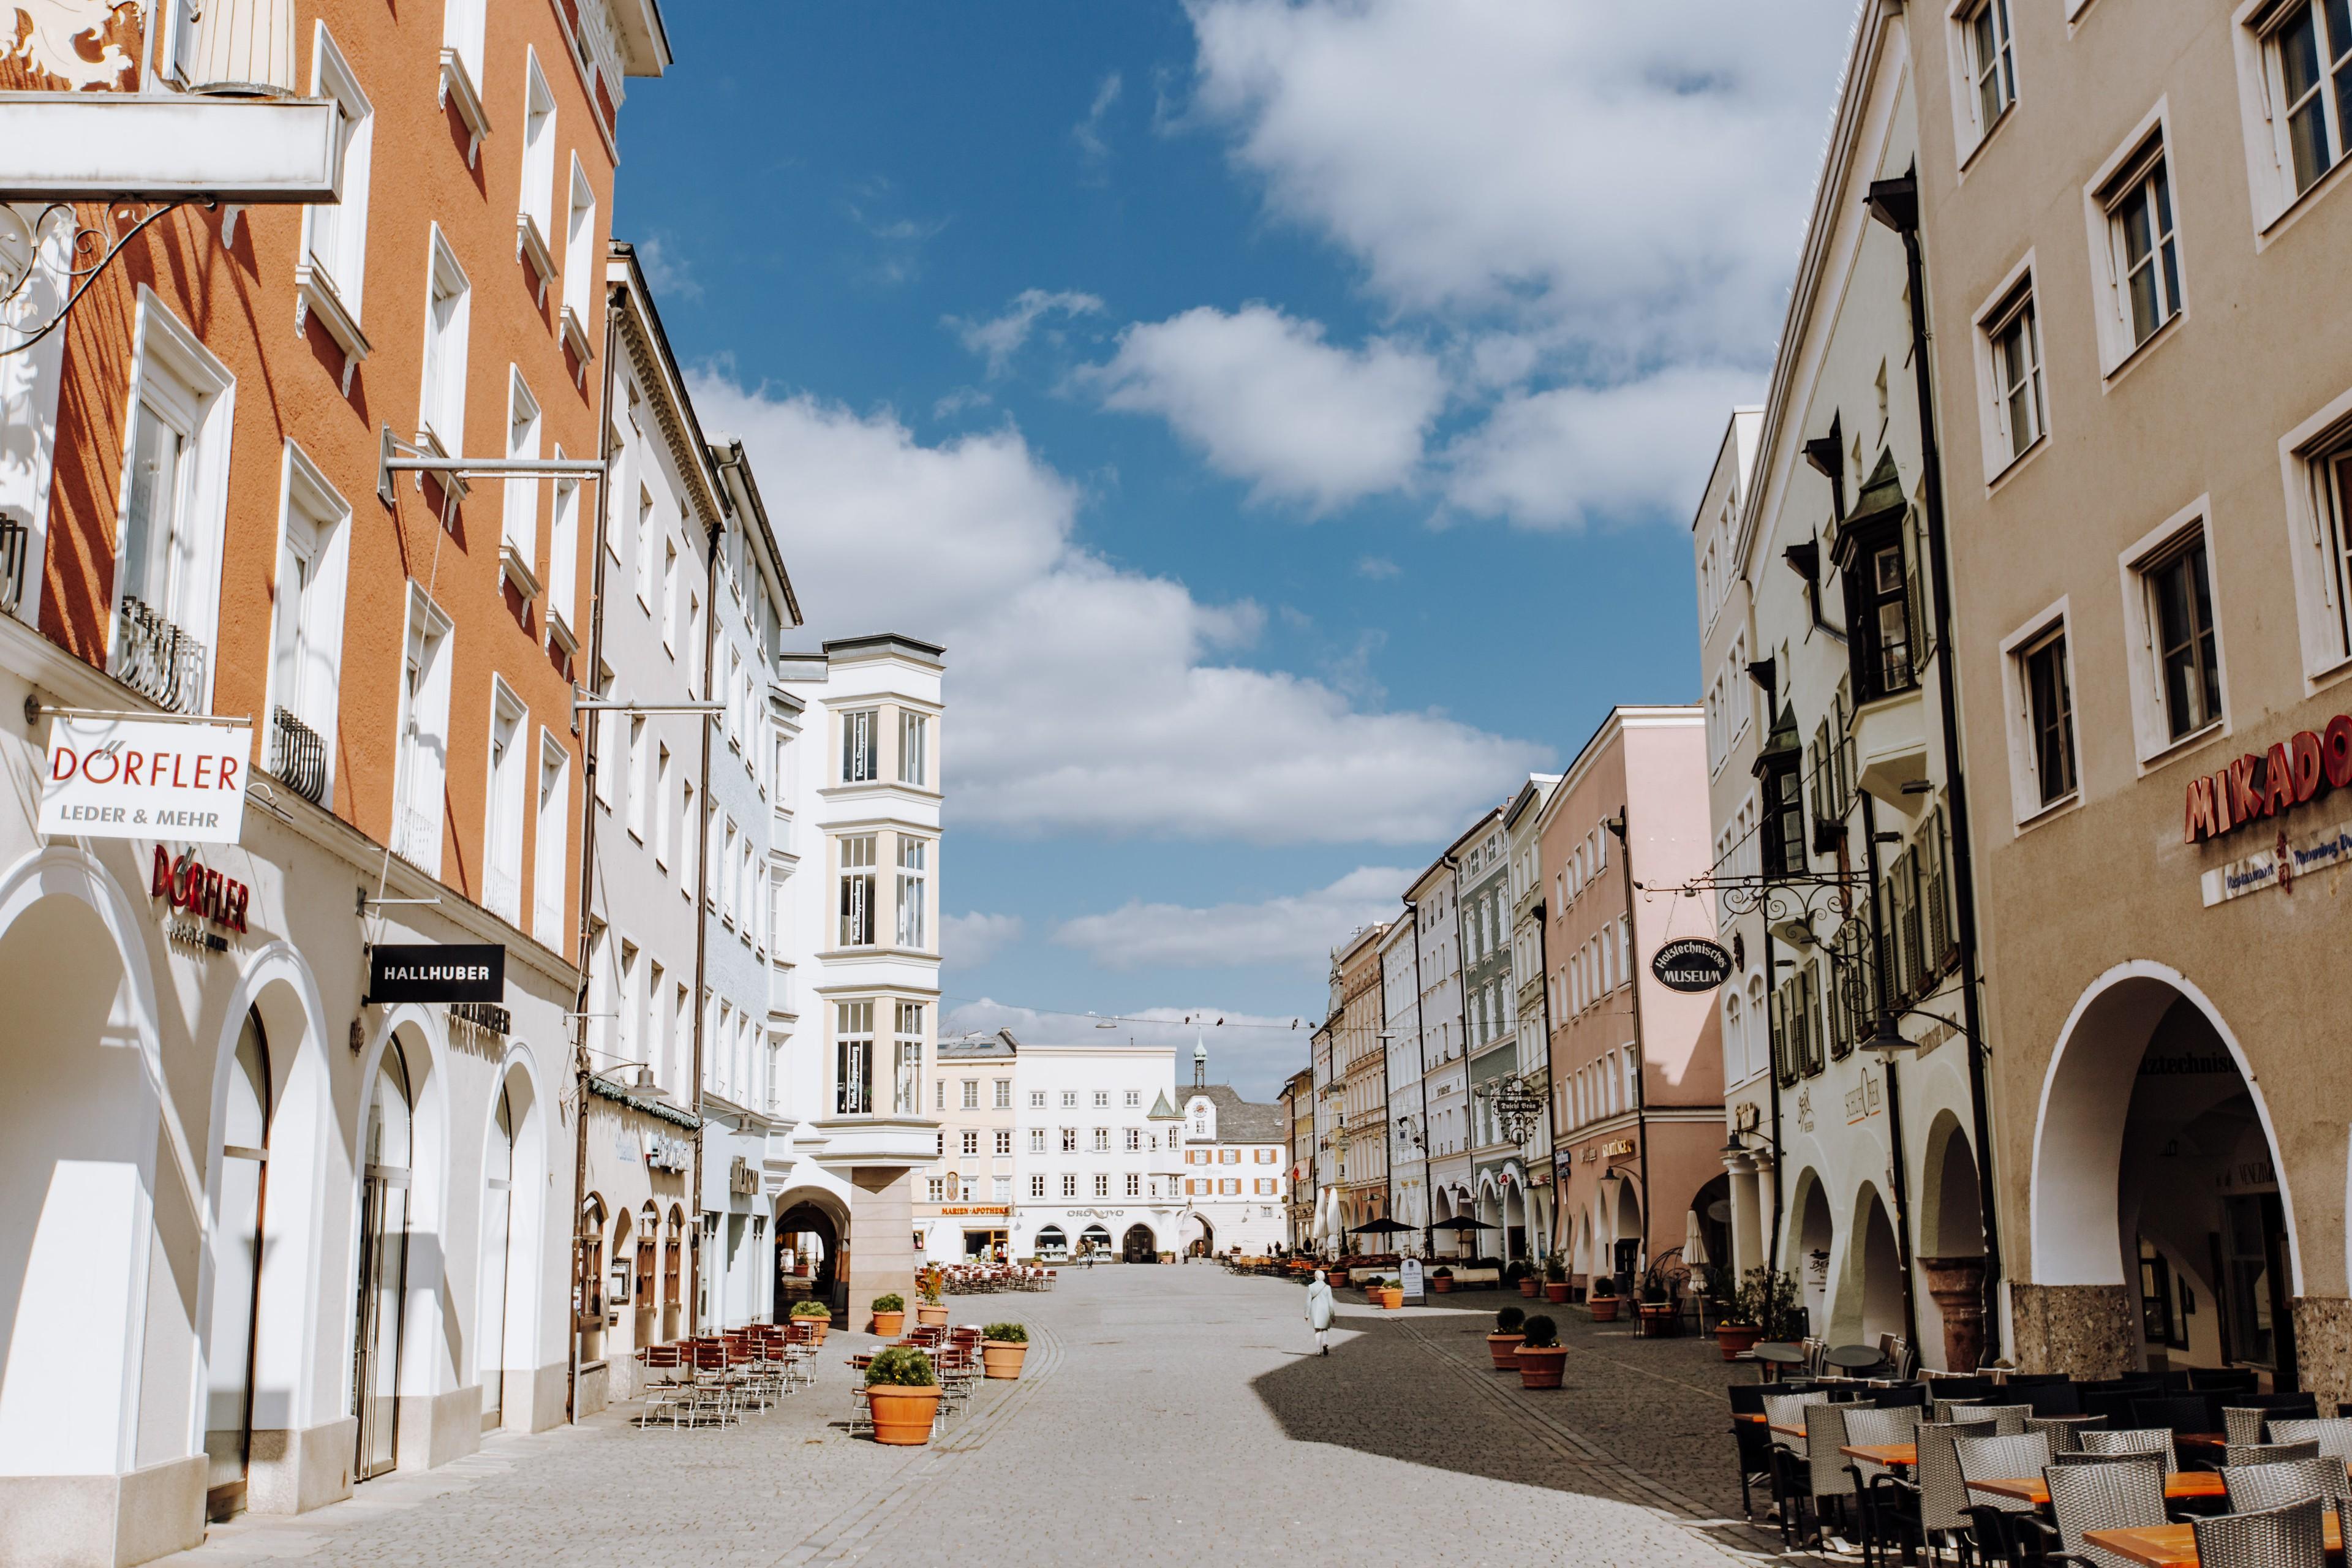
point(398, 457)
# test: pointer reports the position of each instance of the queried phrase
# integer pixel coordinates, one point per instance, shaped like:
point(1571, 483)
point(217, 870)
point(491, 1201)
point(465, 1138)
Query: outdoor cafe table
point(2180, 1485)
point(2175, 1545)
point(1894, 1455)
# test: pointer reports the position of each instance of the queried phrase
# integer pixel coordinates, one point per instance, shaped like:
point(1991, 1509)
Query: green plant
point(893, 1302)
point(934, 1285)
point(1555, 1271)
point(900, 1367)
point(1006, 1333)
point(1516, 1272)
point(1603, 1287)
point(1768, 1300)
point(1441, 1272)
point(809, 1309)
point(1508, 1320)
point(1541, 1334)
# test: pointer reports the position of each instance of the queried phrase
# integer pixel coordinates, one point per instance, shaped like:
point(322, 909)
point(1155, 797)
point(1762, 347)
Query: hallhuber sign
point(1692, 964)
point(436, 972)
point(127, 778)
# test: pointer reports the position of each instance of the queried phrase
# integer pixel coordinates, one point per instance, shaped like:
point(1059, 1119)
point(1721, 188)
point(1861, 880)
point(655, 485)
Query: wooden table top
point(2178, 1486)
point(1894, 1455)
point(2175, 1545)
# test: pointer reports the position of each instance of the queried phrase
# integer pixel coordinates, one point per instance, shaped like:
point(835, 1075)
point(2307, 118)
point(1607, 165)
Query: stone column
point(1957, 1286)
point(881, 1236)
point(2083, 1331)
point(1746, 1216)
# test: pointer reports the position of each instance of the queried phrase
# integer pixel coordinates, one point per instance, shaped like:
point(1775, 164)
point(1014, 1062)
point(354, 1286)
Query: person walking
point(1318, 1313)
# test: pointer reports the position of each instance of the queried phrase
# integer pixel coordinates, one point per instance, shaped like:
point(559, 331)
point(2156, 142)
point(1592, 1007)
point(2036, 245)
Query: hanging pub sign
point(1692, 964)
point(127, 778)
point(437, 972)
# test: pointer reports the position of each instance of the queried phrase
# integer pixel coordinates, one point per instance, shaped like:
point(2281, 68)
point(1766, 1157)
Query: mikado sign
point(127, 778)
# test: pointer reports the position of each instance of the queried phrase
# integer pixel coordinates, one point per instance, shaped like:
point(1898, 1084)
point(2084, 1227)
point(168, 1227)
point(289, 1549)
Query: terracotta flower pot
point(1556, 1291)
point(1504, 1349)
point(1528, 1286)
point(1002, 1358)
point(1603, 1309)
point(1336, 1276)
point(1736, 1339)
point(1441, 1283)
point(929, 1316)
point(902, 1417)
point(1539, 1365)
point(889, 1325)
point(1391, 1298)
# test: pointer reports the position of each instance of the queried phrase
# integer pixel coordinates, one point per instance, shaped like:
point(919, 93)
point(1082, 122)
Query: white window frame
point(2270, 158)
point(563, 560)
point(551, 843)
point(421, 773)
point(313, 526)
point(1970, 130)
point(441, 397)
point(535, 198)
point(914, 883)
point(2320, 525)
point(519, 510)
point(506, 792)
point(2027, 808)
point(579, 265)
point(330, 277)
point(2151, 723)
point(463, 24)
point(914, 747)
point(195, 393)
point(2019, 291)
point(2124, 172)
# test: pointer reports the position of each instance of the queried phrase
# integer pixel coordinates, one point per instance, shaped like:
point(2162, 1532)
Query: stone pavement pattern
point(1167, 1413)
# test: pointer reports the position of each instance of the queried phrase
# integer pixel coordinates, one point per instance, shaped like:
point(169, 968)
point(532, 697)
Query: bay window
point(856, 928)
point(908, 1038)
point(914, 884)
point(853, 1081)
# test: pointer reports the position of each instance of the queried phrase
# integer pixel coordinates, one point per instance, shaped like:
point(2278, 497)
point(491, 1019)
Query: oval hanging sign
point(1692, 964)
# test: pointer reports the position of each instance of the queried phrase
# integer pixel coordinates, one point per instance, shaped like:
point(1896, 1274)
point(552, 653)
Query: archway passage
point(1881, 1273)
point(1052, 1243)
point(2156, 1193)
point(808, 1259)
point(236, 1274)
point(1814, 1235)
point(1951, 1246)
point(1138, 1245)
point(1094, 1241)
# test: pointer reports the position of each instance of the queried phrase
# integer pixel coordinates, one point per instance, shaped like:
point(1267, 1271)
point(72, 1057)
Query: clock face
point(15, 249)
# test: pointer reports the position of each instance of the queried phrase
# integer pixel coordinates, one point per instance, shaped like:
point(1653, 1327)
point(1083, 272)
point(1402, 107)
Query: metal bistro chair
point(2242, 1456)
point(711, 1397)
point(1789, 1471)
point(1998, 1458)
point(2333, 1434)
point(2282, 1481)
point(1826, 1477)
point(2134, 1440)
point(1943, 1495)
point(2289, 1537)
point(2243, 1417)
point(2113, 1493)
point(667, 1396)
point(1753, 1440)
point(2065, 1432)
point(1888, 1507)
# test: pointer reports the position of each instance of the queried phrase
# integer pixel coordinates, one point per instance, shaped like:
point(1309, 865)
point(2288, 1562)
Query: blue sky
point(1287, 411)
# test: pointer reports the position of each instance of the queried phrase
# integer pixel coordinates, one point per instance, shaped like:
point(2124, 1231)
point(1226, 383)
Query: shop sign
point(980, 1209)
point(2278, 865)
point(1616, 1147)
point(1409, 1278)
point(741, 1179)
point(2289, 775)
point(437, 972)
point(664, 1153)
point(124, 778)
point(202, 895)
point(1692, 964)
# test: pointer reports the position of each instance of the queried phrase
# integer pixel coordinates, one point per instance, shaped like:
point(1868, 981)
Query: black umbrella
point(1381, 1226)
point(1460, 1223)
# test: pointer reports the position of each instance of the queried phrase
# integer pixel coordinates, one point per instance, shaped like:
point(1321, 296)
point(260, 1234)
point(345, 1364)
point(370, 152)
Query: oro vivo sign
point(2253, 788)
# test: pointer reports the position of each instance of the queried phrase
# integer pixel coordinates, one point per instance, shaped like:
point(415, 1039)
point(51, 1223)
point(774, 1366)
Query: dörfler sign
point(436, 972)
point(1690, 964)
point(122, 778)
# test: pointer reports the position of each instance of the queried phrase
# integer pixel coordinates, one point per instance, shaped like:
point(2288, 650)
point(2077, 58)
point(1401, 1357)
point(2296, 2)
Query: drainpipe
point(580, 1064)
point(1772, 1081)
point(1552, 1083)
point(1895, 202)
point(1623, 828)
point(701, 909)
point(1899, 1169)
point(1462, 1001)
point(1387, 1167)
point(1420, 1057)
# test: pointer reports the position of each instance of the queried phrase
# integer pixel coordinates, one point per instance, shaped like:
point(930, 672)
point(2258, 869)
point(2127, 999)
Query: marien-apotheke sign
point(437, 972)
point(1692, 964)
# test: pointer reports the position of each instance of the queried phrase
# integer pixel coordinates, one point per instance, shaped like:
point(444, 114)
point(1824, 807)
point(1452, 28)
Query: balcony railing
point(502, 893)
point(154, 657)
point(16, 540)
point(415, 837)
point(298, 756)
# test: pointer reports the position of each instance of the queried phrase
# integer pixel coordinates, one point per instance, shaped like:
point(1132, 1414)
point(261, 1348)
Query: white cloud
point(1295, 928)
point(1377, 567)
point(1252, 1051)
point(1088, 132)
point(1001, 337)
point(1577, 454)
point(976, 938)
point(666, 272)
point(1082, 698)
point(1268, 401)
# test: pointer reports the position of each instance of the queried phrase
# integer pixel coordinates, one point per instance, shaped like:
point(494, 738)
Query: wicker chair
point(1788, 1410)
point(1992, 1518)
point(1889, 1505)
point(2282, 1481)
point(2180, 1413)
point(2239, 1456)
point(1754, 1440)
point(2065, 1436)
point(2333, 1434)
point(2114, 1493)
point(1943, 1495)
point(2289, 1537)
point(2052, 1398)
point(2134, 1440)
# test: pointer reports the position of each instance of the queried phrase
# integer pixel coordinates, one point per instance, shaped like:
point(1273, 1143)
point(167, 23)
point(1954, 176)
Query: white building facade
point(1235, 1184)
point(1100, 1152)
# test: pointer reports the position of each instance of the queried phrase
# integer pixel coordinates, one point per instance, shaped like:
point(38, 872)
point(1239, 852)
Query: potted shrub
point(1555, 1281)
point(931, 1311)
point(1441, 1279)
point(1003, 1347)
point(1656, 1309)
point(1520, 1275)
point(889, 1315)
point(1336, 1275)
point(1503, 1342)
point(903, 1394)
point(1603, 1301)
point(1765, 1302)
point(815, 1314)
point(1388, 1295)
point(1541, 1354)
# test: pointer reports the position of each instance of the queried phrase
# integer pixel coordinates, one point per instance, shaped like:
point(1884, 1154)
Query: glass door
point(236, 1276)
point(497, 1230)
point(384, 1269)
